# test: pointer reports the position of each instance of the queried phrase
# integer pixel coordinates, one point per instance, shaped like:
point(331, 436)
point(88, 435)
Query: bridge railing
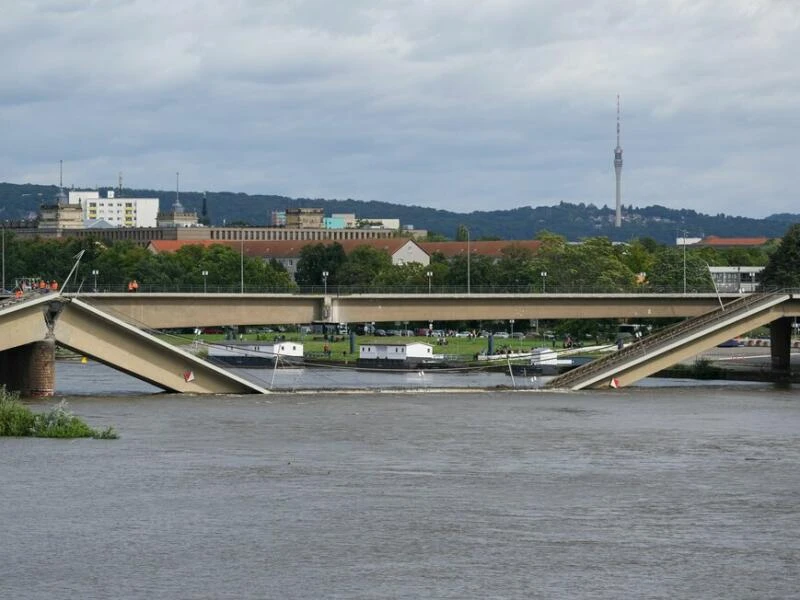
point(350, 290)
point(660, 338)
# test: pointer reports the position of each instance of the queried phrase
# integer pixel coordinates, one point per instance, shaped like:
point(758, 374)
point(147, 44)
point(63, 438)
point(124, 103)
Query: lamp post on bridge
point(511, 322)
point(325, 283)
point(544, 279)
point(95, 273)
point(204, 273)
point(241, 259)
point(468, 258)
point(683, 241)
point(430, 276)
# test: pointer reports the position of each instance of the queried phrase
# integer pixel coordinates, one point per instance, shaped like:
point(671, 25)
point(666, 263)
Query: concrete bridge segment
point(32, 327)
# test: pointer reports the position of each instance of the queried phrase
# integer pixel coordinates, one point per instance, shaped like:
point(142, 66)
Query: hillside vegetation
point(573, 221)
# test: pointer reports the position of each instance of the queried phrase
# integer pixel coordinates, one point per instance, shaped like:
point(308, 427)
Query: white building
point(409, 355)
point(736, 279)
point(118, 212)
point(379, 223)
point(255, 355)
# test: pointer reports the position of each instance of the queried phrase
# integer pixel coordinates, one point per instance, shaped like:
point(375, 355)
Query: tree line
point(595, 264)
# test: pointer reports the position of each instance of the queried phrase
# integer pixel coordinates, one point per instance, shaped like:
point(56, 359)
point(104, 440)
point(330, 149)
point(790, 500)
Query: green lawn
point(314, 344)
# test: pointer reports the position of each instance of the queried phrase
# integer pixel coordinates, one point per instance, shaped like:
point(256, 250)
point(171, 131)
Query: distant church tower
point(618, 170)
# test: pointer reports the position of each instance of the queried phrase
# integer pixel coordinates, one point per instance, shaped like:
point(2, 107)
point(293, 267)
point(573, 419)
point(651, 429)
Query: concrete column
point(30, 369)
point(780, 335)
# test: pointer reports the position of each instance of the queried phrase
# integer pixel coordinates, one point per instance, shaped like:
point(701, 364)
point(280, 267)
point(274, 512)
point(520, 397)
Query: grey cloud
point(456, 105)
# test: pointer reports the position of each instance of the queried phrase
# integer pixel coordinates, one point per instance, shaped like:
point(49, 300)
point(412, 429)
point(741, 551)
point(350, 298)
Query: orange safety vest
point(135, 285)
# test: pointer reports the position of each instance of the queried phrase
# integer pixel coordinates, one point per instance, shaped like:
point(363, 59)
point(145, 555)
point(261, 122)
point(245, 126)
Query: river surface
point(664, 490)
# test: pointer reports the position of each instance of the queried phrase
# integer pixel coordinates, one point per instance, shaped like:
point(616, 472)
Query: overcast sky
point(455, 104)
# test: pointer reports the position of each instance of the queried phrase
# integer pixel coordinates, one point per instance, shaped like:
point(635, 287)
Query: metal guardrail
point(376, 289)
point(659, 338)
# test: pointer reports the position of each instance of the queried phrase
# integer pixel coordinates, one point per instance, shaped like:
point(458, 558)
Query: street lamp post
point(511, 322)
point(241, 259)
point(468, 269)
point(683, 241)
point(95, 273)
point(325, 283)
point(204, 273)
point(544, 278)
point(430, 276)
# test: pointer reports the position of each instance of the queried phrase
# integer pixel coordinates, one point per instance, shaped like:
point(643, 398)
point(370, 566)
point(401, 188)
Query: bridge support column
point(780, 336)
point(30, 369)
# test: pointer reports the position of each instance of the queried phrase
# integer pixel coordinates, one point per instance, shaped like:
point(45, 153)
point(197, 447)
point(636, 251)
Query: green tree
point(317, 258)
point(783, 268)
point(517, 267)
point(480, 268)
point(672, 267)
point(364, 265)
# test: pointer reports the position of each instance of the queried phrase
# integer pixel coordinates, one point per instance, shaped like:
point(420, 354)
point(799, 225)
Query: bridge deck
point(674, 344)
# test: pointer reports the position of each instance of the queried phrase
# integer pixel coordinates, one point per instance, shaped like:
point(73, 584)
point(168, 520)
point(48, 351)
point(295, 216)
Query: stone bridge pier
point(780, 341)
point(30, 369)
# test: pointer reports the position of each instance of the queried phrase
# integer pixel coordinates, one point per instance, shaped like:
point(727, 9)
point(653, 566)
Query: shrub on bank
point(18, 420)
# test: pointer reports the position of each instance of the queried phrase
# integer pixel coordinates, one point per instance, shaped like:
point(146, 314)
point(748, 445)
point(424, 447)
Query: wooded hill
point(573, 221)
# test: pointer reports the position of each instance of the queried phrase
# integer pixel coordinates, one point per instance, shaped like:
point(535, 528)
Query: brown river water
point(670, 489)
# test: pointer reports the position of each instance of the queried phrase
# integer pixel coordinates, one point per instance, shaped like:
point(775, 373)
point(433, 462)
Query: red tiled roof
point(713, 240)
point(493, 248)
point(280, 248)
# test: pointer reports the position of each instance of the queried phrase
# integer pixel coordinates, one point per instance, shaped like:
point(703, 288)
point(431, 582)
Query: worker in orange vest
point(54, 285)
point(135, 285)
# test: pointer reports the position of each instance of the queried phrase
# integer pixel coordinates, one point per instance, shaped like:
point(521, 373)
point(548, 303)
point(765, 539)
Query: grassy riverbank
point(18, 420)
point(339, 346)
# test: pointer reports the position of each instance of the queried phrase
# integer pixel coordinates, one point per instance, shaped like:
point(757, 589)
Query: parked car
point(501, 335)
point(518, 335)
point(380, 332)
point(463, 334)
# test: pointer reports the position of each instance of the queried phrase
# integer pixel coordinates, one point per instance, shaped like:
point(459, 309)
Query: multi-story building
point(117, 212)
point(58, 216)
point(177, 217)
point(348, 220)
point(143, 235)
point(305, 218)
point(278, 218)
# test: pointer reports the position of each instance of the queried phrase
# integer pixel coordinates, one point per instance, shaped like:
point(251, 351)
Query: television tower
point(618, 170)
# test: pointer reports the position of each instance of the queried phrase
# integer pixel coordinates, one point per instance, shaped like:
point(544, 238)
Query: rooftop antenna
point(61, 197)
point(177, 208)
point(120, 183)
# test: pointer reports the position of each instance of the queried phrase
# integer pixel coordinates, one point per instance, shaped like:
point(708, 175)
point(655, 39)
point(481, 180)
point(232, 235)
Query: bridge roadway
point(172, 310)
